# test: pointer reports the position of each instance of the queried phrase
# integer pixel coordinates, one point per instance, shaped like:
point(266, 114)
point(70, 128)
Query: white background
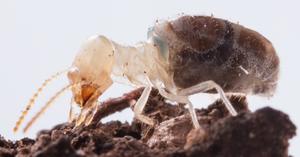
point(39, 38)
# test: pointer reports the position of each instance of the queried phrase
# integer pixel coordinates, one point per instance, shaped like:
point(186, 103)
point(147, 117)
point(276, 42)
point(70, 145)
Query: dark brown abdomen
point(205, 48)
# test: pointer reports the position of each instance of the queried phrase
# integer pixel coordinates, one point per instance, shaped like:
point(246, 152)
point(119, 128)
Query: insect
point(184, 56)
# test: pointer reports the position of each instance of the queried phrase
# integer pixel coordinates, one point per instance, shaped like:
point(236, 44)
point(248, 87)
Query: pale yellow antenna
point(33, 98)
point(46, 106)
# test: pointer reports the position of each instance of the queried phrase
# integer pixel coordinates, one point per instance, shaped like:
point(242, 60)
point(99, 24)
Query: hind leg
point(208, 85)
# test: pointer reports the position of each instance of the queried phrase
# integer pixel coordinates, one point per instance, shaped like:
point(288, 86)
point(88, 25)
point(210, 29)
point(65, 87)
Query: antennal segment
point(34, 97)
point(46, 106)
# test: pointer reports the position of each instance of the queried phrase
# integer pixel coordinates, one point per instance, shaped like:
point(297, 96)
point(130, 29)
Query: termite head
point(91, 70)
point(89, 77)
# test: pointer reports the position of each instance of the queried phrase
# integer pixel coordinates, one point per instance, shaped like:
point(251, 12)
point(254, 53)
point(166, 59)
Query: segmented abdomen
point(205, 48)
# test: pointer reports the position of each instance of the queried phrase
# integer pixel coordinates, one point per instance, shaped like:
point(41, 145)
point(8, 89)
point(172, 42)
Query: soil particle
point(262, 133)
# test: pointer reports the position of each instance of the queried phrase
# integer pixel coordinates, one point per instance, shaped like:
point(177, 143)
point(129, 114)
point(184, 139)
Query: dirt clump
point(262, 133)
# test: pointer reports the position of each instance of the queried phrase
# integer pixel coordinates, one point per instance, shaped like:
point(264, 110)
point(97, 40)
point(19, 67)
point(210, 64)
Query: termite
point(182, 57)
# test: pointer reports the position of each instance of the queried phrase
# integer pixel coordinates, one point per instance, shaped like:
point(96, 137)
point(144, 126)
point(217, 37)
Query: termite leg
point(140, 105)
point(205, 86)
point(90, 114)
point(193, 115)
point(71, 114)
point(182, 99)
point(81, 117)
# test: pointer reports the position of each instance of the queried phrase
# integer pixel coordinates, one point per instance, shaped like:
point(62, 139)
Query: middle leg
point(182, 99)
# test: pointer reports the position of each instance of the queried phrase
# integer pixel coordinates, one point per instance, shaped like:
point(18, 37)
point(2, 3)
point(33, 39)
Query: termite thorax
point(135, 62)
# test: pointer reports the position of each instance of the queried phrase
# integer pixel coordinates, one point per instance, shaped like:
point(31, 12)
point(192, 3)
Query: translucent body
point(182, 57)
point(185, 56)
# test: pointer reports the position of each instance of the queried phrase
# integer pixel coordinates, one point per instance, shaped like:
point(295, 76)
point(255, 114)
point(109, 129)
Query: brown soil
point(263, 133)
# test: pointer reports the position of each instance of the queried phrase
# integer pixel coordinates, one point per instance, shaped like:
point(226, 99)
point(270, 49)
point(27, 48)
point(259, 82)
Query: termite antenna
point(47, 105)
point(34, 97)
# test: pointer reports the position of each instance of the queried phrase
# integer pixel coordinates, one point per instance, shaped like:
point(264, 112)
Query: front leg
point(140, 105)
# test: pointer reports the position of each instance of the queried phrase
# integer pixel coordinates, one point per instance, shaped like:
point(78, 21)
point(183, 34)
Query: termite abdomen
point(204, 48)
